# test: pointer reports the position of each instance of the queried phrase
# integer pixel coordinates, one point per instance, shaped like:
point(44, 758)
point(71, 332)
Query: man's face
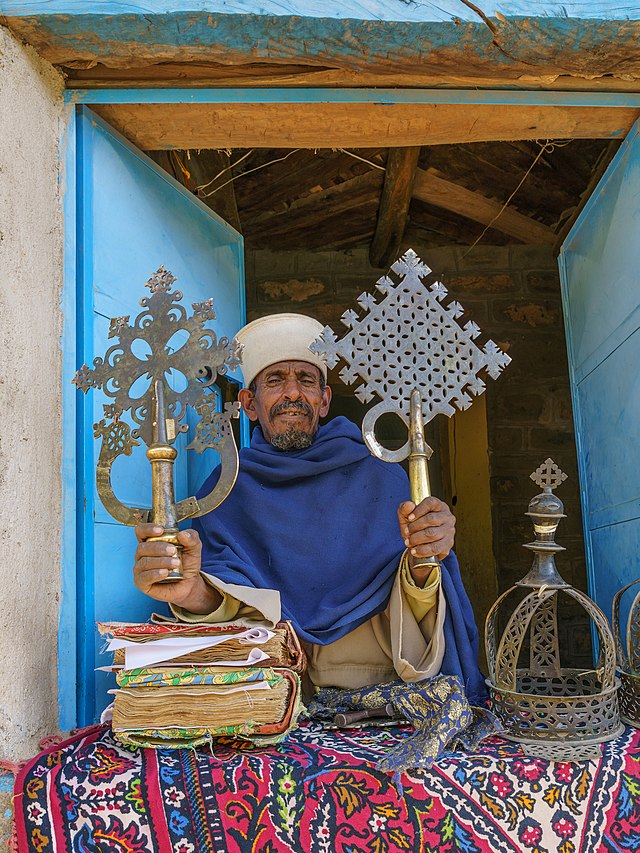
point(288, 402)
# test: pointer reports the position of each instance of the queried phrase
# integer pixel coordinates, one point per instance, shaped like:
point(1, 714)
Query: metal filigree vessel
point(554, 712)
point(409, 351)
point(174, 344)
point(628, 654)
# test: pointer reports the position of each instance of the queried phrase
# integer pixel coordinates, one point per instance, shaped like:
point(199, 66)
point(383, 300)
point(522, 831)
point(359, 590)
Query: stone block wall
point(513, 293)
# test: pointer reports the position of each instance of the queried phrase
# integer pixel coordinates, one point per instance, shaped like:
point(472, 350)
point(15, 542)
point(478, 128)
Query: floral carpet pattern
point(319, 792)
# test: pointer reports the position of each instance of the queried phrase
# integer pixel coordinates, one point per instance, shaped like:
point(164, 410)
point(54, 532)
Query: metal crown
point(552, 711)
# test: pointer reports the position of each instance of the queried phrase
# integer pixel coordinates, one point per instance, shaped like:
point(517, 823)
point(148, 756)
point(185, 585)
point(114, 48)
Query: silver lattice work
point(628, 653)
point(554, 712)
point(410, 340)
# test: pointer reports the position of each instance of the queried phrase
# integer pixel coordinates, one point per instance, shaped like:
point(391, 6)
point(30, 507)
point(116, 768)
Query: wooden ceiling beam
point(313, 219)
point(321, 212)
point(437, 191)
point(393, 211)
point(356, 125)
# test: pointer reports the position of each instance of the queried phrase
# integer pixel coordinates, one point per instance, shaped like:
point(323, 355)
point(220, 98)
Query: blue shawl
point(320, 525)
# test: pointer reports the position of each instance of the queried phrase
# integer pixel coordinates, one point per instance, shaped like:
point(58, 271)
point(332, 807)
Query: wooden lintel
point(437, 191)
point(394, 205)
point(347, 125)
point(88, 75)
point(399, 36)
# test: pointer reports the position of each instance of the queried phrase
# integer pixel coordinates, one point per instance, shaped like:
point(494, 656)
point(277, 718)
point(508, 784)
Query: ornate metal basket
point(554, 712)
point(628, 656)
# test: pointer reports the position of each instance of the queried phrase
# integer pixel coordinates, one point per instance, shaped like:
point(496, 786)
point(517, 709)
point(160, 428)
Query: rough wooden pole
point(394, 205)
point(197, 169)
point(204, 165)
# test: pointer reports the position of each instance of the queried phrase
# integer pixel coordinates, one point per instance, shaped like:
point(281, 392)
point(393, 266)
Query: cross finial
point(548, 475)
point(161, 280)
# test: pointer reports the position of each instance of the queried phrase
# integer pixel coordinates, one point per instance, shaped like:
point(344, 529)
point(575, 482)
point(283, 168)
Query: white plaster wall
point(31, 252)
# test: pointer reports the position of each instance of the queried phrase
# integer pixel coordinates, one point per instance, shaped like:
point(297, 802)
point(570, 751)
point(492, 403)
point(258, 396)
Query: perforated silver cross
point(410, 341)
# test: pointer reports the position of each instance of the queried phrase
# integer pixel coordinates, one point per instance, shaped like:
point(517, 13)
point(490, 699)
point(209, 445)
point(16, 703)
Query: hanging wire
point(362, 159)
point(264, 166)
point(248, 172)
point(226, 169)
point(547, 147)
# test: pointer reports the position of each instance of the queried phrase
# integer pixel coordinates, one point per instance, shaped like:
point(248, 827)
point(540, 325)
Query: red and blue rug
point(319, 792)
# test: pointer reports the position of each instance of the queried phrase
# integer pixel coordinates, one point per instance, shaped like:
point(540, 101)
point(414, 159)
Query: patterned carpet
point(319, 792)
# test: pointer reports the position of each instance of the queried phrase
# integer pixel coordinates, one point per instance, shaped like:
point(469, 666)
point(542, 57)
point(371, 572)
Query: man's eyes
point(307, 381)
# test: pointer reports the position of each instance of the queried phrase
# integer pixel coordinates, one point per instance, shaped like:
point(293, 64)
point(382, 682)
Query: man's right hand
point(154, 560)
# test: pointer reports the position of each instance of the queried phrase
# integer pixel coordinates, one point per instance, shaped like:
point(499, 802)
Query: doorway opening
point(312, 222)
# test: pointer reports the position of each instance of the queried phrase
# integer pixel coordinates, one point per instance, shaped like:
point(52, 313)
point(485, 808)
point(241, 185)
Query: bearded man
point(318, 531)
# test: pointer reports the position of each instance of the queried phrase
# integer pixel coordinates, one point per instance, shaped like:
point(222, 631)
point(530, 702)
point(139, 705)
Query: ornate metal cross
point(410, 352)
point(548, 476)
point(162, 342)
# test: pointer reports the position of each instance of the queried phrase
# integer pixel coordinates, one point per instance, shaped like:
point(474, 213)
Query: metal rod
point(348, 718)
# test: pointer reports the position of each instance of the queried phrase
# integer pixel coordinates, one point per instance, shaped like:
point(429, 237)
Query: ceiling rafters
point(363, 190)
point(394, 205)
point(307, 215)
point(435, 190)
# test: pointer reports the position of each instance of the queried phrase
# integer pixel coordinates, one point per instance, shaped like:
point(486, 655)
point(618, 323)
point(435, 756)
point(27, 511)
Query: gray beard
point(292, 439)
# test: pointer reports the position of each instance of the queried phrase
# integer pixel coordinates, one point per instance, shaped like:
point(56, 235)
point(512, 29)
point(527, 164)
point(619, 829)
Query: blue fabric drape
point(320, 526)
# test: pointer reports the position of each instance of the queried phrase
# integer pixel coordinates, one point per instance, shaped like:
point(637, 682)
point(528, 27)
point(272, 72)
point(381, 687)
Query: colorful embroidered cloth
point(319, 792)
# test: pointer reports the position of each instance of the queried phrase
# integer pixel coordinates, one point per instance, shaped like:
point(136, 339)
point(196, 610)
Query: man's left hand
point(428, 531)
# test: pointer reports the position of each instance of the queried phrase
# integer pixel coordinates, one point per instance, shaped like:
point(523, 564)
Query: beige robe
point(406, 640)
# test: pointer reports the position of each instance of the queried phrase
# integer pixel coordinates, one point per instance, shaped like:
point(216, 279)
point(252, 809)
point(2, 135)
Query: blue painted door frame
point(75, 413)
point(129, 217)
point(599, 265)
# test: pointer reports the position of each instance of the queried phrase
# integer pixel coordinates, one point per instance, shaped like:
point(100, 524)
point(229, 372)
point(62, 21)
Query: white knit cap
point(278, 337)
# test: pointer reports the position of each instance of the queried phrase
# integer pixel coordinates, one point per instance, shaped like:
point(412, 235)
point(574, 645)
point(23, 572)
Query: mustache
point(295, 405)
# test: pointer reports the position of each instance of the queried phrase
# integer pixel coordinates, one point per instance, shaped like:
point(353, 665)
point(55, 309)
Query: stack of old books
point(185, 684)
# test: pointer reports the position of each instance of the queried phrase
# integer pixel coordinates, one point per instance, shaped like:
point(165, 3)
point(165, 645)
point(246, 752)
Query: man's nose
point(292, 389)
